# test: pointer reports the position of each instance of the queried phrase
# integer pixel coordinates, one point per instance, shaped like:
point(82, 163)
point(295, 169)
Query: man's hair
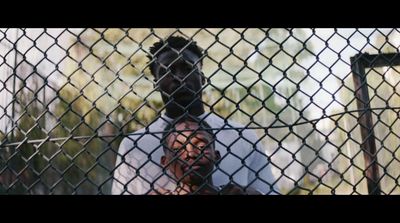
point(173, 42)
point(170, 128)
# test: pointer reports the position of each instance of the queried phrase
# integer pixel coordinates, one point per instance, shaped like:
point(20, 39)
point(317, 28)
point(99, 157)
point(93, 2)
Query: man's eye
point(201, 147)
point(176, 151)
point(162, 71)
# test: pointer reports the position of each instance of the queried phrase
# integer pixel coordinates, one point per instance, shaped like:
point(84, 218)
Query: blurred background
point(69, 96)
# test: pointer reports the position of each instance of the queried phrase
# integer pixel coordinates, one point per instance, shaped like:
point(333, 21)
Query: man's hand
point(232, 189)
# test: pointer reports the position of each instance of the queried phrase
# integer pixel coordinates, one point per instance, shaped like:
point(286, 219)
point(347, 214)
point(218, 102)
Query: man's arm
point(126, 180)
point(252, 191)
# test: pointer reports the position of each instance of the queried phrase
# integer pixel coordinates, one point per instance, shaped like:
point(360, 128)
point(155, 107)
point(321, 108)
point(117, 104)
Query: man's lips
point(193, 167)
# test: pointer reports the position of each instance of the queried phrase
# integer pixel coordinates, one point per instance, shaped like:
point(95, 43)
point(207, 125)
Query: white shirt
point(138, 160)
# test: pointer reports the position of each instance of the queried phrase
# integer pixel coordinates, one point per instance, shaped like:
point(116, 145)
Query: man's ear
point(163, 161)
point(155, 84)
point(155, 76)
point(217, 156)
point(203, 78)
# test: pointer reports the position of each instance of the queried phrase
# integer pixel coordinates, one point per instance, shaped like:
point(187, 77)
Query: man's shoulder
point(160, 191)
point(218, 121)
point(142, 135)
point(151, 129)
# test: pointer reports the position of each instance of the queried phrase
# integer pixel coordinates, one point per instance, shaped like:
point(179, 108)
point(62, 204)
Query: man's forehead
point(171, 55)
point(185, 136)
point(189, 129)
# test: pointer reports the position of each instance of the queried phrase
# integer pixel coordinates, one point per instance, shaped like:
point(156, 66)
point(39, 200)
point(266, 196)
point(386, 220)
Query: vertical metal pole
point(366, 125)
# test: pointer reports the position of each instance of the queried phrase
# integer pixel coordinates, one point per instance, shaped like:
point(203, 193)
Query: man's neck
point(175, 111)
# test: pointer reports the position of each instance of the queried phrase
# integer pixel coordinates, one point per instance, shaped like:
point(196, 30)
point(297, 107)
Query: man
point(190, 157)
point(176, 66)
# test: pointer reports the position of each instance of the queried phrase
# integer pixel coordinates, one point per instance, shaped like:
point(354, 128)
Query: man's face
point(191, 156)
point(179, 77)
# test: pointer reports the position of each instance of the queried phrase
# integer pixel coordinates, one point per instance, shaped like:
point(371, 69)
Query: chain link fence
point(323, 104)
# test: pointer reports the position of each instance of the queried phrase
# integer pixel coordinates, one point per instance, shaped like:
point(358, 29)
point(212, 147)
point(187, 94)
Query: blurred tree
point(24, 160)
point(3, 159)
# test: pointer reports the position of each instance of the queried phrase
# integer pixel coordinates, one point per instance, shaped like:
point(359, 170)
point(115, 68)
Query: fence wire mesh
point(291, 111)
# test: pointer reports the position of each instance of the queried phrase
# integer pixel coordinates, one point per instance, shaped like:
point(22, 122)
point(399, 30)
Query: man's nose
point(192, 151)
point(183, 68)
point(181, 75)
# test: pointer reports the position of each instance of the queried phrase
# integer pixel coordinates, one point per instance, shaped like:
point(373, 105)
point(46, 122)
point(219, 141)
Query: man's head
point(189, 149)
point(176, 66)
